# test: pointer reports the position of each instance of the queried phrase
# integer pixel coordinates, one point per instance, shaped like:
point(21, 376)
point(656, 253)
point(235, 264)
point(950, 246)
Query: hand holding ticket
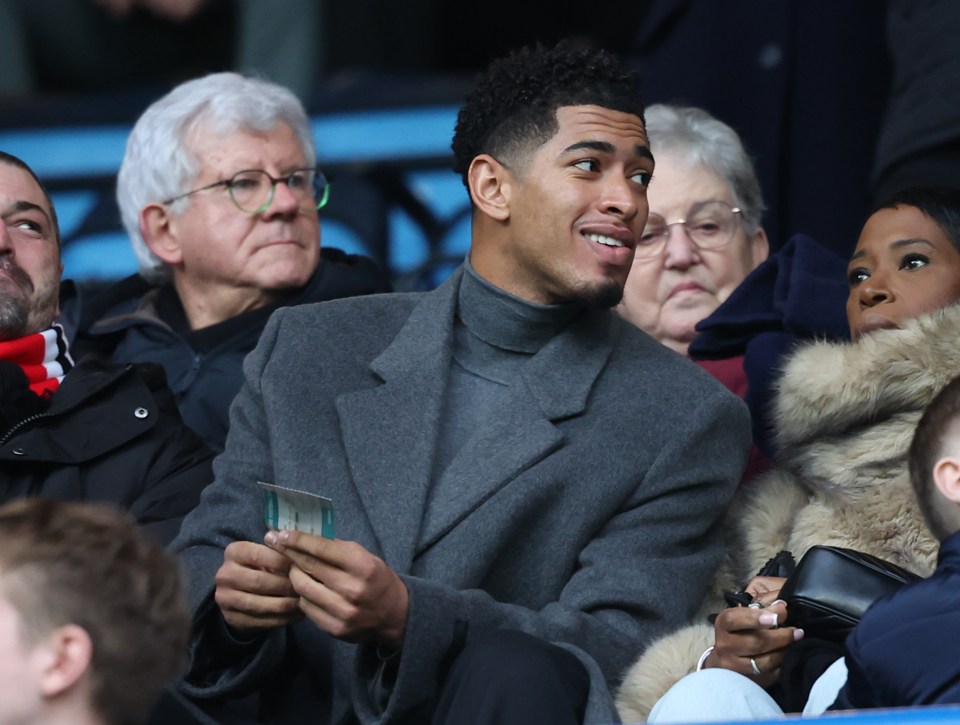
point(286, 508)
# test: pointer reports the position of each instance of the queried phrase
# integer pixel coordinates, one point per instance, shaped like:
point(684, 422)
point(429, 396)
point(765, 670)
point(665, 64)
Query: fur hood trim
point(827, 388)
point(847, 413)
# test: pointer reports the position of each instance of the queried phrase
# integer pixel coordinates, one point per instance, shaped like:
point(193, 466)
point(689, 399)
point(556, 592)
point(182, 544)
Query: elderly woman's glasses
point(709, 225)
point(252, 190)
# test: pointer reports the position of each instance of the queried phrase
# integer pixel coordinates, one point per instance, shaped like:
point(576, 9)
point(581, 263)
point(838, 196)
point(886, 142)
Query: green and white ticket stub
point(286, 508)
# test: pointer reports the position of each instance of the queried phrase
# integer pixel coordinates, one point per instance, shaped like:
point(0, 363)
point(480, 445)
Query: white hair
point(702, 140)
point(158, 163)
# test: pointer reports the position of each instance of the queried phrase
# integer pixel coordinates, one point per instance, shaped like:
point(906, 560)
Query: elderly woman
point(845, 416)
point(703, 238)
point(703, 233)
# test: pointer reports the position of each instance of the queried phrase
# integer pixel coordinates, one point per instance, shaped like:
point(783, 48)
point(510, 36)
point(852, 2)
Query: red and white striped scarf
point(43, 357)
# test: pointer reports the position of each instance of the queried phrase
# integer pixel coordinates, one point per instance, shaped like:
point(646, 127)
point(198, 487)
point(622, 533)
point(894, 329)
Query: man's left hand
point(344, 589)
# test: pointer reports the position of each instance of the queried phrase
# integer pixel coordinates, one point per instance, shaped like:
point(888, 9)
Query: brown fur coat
point(845, 418)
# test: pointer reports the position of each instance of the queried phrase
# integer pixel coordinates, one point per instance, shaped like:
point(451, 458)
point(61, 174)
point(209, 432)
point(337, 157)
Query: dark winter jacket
point(110, 433)
point(132, 321)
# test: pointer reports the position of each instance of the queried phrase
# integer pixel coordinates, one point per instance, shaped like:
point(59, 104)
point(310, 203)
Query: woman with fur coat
point(845, 416)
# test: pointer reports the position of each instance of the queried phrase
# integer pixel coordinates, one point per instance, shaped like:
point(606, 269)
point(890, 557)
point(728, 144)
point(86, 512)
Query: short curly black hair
point(515, 101)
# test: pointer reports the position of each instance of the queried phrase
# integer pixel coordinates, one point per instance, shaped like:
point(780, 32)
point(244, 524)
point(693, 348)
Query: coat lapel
point(555, 385)
point(390, 431)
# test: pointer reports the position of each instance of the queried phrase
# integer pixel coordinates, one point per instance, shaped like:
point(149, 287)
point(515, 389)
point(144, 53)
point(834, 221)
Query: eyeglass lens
point(709, 225)
point(252, 191)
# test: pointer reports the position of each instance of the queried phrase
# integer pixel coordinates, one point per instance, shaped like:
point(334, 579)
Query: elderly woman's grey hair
point(702, 140)
point(159, 164)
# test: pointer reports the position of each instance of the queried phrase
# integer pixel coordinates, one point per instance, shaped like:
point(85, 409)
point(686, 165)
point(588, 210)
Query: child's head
point(935, 462)
point(93, 622)
point(907, 260)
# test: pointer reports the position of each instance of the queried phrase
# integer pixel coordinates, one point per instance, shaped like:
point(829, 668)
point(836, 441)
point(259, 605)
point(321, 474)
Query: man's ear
point(158, 231)
point(64, 658)
point(946, 477)
point(759, 247)
point(490, 185)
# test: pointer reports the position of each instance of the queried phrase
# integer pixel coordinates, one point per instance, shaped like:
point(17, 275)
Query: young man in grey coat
point(527, 488)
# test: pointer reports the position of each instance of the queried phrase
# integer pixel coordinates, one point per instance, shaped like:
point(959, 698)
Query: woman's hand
point(750, 640)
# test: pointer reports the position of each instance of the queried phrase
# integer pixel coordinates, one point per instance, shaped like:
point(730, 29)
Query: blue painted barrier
point(417, 227)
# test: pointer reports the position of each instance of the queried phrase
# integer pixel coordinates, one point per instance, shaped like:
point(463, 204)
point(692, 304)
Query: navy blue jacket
point(796, 295)
point(904, 651)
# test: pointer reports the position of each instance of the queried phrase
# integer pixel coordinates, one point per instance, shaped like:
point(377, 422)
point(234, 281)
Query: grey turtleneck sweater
point(494, 334)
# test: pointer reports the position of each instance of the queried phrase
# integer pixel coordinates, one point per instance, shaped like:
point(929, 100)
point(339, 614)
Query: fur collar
point(831, 388)
point(846, 415)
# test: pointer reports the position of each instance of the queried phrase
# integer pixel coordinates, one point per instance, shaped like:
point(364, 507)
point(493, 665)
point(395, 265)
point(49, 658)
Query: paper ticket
point(286, 508)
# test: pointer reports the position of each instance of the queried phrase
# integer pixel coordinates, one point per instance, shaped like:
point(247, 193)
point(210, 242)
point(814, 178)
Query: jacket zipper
point(26, 421)
point(37, 416)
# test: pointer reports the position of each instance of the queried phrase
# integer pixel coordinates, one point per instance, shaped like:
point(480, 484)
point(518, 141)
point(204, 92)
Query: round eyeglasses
point(710, 225)
point(252, 190)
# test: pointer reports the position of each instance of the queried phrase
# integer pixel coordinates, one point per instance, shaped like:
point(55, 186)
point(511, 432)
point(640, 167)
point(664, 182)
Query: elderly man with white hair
point(220, 191)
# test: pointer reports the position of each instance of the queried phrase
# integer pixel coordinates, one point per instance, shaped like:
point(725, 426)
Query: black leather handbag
point(832, 587)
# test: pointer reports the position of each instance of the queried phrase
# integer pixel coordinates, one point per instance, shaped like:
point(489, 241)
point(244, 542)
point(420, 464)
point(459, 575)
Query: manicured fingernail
point(779, 601)
point(284, 536)
point(270, 538)
point(769, 619)
point(797, 635)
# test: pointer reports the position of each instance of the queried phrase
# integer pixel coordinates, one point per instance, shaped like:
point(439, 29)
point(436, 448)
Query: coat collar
point(555, 385)
point(830, 389)
point(64, 434)
point(390, 431)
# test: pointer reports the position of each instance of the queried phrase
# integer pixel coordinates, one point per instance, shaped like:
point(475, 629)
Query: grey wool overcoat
point(587, 514)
